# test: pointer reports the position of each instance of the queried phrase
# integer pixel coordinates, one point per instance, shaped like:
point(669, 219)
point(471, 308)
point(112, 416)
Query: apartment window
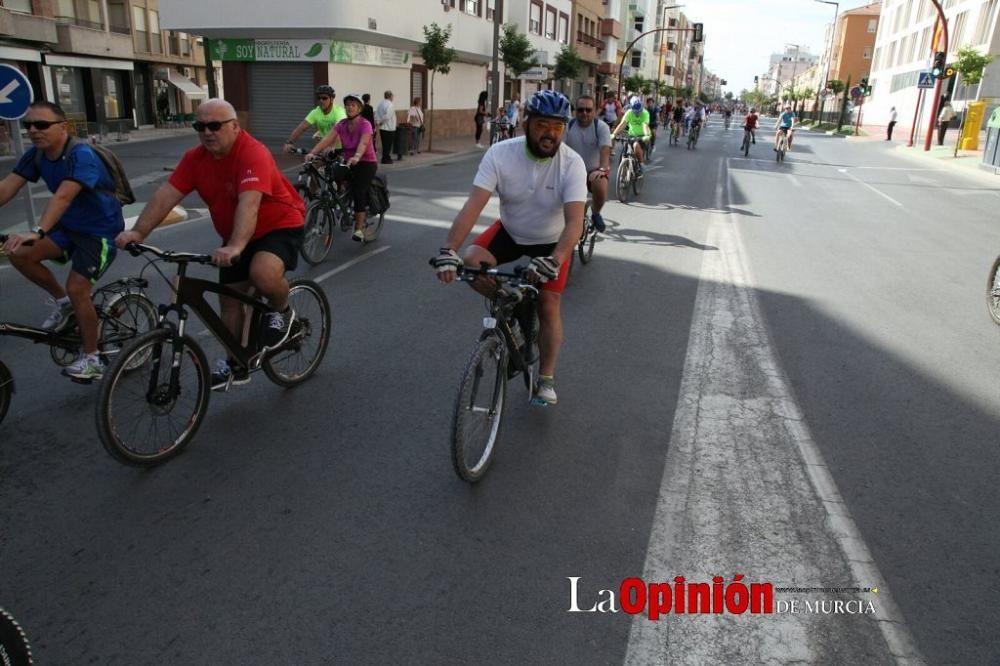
point(868, 53)
point(490, 9)
point(118, 17)
point(985, 14)
point(155, 45)
point(672, 23)
point(639, 22)
point(878, 58)
point(535, 19)
point(909, 8)
point(564, 28)
point(470, 7)
point(892, 55)
point(899, 17)
point(550, 23)
point(185, 43)
point(141, 38)
point(65, 9)
point(955, 38)
point(925, 42)
point(637, 58)
point(872, 26)
point(902, 50)
point(22, 6)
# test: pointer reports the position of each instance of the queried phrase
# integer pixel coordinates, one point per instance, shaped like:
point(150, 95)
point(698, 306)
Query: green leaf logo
point(314, 50)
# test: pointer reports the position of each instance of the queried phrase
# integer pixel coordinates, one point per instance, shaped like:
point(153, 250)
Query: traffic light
point(756, 79)
point(865, 88)
point(937, 70)
point(949, 72)
point(723, 82)
point(699, 32)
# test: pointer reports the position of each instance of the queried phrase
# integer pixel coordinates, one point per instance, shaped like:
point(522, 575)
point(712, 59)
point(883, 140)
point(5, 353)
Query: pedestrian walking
point(385, 119)
point(944, 118)
point(415, 117)
point(480, 117)
point(893, 115)
point(368, 113)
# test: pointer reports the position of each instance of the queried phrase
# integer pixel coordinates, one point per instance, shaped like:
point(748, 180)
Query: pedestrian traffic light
point(937, 70)
point(699, 32)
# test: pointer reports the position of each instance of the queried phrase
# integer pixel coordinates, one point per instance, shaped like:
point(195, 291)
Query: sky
point(741, 35)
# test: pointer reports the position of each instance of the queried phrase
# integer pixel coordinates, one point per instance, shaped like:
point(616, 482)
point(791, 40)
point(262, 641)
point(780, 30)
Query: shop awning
point(185, 85)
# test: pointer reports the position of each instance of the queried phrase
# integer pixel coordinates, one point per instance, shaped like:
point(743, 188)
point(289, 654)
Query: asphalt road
point(780, 371)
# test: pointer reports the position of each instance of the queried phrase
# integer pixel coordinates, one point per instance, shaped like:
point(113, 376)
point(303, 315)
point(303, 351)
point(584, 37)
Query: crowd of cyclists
point(542, 177)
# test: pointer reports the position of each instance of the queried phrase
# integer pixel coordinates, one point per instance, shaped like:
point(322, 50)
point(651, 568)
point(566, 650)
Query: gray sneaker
point(545, 392)
point(59, 316)
point(85, 367)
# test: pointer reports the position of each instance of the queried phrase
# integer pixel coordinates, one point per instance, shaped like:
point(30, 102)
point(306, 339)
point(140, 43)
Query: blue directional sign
point(926, 80)
point(15, 93)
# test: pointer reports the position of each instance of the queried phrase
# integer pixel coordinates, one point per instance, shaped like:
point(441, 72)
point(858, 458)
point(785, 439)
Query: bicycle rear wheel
point(127, 317)
point(993, 292)
point(300, 355)
point(143, 418)
point(6, 390)
point(482, 396)
point(317, 234)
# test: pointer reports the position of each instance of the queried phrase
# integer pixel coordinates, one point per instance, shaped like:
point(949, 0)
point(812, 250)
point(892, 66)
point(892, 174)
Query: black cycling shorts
point(283, 243)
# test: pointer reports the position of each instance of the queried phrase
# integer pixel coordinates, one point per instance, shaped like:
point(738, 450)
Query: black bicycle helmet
point(325, 90)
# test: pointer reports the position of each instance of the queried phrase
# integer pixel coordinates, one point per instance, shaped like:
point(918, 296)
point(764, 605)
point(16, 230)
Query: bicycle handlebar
point(135, 249)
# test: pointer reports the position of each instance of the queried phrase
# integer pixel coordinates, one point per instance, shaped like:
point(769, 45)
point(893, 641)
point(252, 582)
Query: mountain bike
point(150, 414)
point(585, 248)
point(993, 292)
point(628, 170)
point(779, 153)
point(503, 130)
point(506, 347)
point(123, 312)
point(747, 139)
point(322, 183)
point(693, 135)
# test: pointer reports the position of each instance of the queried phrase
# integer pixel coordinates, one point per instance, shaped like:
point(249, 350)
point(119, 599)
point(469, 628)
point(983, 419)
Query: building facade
point(904, 47)
point(784, 67)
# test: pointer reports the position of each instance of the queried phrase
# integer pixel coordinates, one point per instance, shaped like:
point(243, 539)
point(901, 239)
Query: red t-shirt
point(249, 166)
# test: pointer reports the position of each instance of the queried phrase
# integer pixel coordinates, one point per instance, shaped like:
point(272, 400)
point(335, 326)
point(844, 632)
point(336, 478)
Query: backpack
point(378, 195)
point(123, 190)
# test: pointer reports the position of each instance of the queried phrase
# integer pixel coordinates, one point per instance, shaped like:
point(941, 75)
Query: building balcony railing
point(121, 29)
point(589, 40)
point(83, 23)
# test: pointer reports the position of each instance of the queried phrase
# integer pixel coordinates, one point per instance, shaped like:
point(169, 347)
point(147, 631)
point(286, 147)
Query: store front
point(95, 93)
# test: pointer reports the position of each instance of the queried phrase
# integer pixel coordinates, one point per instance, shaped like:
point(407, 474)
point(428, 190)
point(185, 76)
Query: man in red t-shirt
point(255, 210)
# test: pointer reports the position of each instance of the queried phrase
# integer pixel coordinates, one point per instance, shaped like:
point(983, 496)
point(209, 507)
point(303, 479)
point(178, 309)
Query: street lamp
point(829, 57)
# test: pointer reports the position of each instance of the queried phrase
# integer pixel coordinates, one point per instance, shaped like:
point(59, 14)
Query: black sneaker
point(277, 328)
point(225, 376)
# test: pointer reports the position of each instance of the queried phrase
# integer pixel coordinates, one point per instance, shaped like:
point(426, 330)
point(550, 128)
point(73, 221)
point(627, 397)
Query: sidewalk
point(135, 136)
point(941, 156)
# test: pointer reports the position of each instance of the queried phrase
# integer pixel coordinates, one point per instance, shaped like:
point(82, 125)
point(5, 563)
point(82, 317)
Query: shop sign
point(307, 50)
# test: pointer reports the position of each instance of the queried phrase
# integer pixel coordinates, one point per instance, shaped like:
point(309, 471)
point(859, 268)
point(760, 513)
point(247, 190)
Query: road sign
point(925, 80)
point(15, 93)
point(536, 74)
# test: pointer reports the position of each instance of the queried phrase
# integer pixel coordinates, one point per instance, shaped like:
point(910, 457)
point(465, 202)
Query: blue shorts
point(91, 255)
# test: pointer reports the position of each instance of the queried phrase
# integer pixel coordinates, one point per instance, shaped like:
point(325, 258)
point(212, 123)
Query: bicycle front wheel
point(585, 248)
point(993, 292)
point(623, 184)
point(318, 233)
point(127, 317)
point(300, 355)
point(482, 396)
point(153, 398)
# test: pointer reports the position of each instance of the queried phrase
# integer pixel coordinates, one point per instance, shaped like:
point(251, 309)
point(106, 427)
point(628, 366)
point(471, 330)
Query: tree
point(568, 64)
point(703, 98)
point(634, 83)
point(437, 57)
point(970, 64)
point(729, 96)
point(517, 52)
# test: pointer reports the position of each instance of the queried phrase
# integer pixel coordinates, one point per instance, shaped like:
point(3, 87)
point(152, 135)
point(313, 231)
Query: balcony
point(611, 28)
point(27, 27)
point(82, 39)
point(589, 40)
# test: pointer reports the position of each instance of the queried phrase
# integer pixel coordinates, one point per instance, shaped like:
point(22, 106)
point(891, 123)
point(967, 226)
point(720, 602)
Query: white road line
point(795, 181)
point(746, 490)
point(870, 187)
point(352, 262)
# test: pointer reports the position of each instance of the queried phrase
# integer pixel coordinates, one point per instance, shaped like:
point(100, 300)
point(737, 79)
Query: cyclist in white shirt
point(543, 187)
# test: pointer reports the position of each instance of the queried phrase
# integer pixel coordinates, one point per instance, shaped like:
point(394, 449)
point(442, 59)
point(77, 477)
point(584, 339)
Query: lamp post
point(659, 69)
point(829, 57)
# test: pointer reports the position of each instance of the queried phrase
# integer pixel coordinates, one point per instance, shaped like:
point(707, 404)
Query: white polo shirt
point(532, 191)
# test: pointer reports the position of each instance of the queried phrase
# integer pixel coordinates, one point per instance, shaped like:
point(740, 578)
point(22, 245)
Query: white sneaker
point(479, 145)
point(85, 367)
point(545, 392)
point(59, 315)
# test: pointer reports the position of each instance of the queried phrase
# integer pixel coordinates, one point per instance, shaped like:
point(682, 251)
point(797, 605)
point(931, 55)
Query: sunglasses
point(324, 97)
point(214, 125)
point(553, 126)
point(40, 124)
point(584, 109)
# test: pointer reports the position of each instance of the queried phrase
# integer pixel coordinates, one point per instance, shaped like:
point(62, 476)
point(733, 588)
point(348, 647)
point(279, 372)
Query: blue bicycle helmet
point(548, 104)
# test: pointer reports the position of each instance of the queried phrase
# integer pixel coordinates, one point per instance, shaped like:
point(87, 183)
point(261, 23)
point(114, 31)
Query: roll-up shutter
point(281, 94)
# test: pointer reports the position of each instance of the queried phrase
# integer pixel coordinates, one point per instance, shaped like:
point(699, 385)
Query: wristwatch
point(39, 231)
